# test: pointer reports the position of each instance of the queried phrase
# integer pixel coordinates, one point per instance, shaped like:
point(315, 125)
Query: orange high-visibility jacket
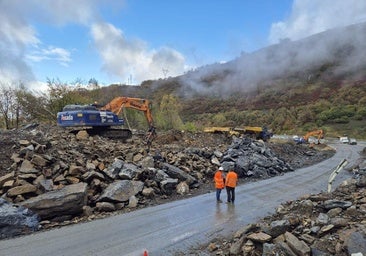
point(219, 180)
point(231, 179)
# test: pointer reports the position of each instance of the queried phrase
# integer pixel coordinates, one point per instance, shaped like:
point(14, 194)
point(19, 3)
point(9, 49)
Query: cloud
point(122, 57)
point(62, 56)
point(309, 17)
point(18, 35)
point(53, 12)
point(15, 35)
point(126, 58)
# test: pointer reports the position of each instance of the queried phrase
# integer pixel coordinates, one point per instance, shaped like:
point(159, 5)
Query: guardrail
point(332, 176)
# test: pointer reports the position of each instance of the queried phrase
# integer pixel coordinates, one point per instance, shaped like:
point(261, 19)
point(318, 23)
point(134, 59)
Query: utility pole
point(165, 72)
point(129, 80)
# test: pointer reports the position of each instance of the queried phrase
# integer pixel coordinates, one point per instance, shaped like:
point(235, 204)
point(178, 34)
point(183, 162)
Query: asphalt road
point(173, 228)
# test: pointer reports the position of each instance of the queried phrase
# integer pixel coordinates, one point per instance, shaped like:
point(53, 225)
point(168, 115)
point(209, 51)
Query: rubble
point(251, 158)
point(66, 178)
point(319, 224)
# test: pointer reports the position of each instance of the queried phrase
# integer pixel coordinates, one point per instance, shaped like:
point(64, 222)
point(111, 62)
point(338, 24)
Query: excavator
point(105, 120)
point(318, 134)
point(255, 132)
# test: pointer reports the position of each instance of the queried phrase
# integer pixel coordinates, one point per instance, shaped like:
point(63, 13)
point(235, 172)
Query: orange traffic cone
point(145, 253)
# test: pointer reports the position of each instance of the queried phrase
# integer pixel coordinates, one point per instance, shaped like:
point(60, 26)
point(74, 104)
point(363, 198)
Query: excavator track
point(116, 134)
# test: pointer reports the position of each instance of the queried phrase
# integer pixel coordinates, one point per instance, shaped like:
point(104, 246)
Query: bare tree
point(7, 101)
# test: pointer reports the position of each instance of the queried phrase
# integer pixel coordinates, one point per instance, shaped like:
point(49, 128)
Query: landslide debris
point(66, 178)
point(317, 224)
point(325, 224)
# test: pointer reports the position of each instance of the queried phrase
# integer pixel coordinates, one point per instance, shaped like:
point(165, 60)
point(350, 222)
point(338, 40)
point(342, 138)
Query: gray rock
point(235, 248)
point(182, 188)
point(361, 181)
point(284, 247)
point(113, 170)
point(168, 185)
point(132, 202)
point(357, 243)
point(268, 249)
point(6, 178)
point(39, 160)
point(105, 207)
point(279, 227)
point(317, 252)
point(66, 201)
point(322, 219)
point(16, 220)
point(28, 167)
point(20, 190)
point(89, 176)
point(176, 173)
point(147, 162)
point(128, 171)
point(333, 203)
point(43, 184)
point(298, 246)
point(251, 158)
point(121, 191)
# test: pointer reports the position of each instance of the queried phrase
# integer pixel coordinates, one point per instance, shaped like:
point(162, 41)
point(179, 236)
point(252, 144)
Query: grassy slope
point(292, 98)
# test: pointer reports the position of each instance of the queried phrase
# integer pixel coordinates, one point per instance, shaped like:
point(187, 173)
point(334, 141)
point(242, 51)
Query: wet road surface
point(173, 228)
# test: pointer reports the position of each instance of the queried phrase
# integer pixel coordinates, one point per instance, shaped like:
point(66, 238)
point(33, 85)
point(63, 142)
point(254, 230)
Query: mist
point(344, 48)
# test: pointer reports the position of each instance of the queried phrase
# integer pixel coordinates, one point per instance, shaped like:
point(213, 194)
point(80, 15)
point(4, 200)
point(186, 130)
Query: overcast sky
point(129, 41)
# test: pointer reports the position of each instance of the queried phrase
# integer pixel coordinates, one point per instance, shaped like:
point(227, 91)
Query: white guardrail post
point(335, 172)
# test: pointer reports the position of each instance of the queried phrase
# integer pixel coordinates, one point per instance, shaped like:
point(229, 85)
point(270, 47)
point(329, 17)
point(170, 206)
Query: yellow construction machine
point(255, 132)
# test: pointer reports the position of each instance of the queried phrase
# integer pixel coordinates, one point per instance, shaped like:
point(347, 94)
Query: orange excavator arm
point(118, 103)
point(318, 133)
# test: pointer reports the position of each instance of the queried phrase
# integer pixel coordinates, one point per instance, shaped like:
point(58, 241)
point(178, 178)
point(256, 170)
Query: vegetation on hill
point(292, 87)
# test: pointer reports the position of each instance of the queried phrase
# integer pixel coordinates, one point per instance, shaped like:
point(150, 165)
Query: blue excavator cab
point(87, 116)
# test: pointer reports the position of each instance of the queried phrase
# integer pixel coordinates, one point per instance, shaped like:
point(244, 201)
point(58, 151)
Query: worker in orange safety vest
point(230, 184)
point(219, 180)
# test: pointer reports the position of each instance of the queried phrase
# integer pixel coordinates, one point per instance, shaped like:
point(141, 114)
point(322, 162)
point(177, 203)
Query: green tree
point(168, 116)
point(219, 119)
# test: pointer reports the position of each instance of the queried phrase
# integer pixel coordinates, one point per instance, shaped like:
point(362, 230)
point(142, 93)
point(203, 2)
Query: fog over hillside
point(342, 48)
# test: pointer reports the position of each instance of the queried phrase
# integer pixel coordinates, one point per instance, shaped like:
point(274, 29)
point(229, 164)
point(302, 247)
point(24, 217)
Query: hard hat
point(221, 169)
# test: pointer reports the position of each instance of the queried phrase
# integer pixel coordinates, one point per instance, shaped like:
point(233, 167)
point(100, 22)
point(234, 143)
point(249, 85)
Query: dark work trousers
point(218, 193)
point(230, 194)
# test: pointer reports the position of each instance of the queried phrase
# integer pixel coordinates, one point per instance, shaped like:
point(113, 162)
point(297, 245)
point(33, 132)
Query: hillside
point(291, 87)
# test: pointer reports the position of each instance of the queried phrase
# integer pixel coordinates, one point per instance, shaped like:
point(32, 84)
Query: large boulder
point(121, 191)
point(68, 200)
point(176, 173)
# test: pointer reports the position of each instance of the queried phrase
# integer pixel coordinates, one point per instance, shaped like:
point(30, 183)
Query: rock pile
point(323, 224)
point(66, 178)
point(250, 158)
